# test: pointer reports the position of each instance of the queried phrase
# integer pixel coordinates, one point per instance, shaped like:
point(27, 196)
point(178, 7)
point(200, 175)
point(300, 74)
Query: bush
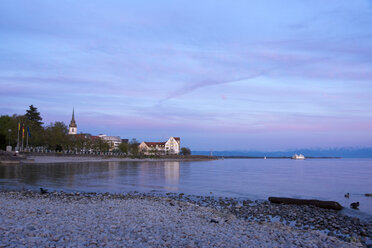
point(185, 151)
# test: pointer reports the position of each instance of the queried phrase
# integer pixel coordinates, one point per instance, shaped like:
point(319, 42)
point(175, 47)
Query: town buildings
point(171, 146)
point(113, 141)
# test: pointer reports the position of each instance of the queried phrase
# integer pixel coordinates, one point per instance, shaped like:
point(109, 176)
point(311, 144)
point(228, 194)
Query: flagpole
point(19, 128)
point(20, 142)
point(23, 135)
point(27, 138)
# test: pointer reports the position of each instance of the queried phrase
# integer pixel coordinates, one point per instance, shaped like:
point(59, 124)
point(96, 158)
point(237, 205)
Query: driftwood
point(322, 204)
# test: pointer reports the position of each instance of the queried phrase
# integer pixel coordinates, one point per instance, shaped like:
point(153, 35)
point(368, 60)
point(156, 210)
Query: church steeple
point(72, 127)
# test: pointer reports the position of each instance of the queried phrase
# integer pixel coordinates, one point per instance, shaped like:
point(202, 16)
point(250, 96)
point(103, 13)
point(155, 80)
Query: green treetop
point(33, 115)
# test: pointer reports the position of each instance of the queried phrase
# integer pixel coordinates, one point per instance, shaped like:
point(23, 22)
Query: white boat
point(298, 157)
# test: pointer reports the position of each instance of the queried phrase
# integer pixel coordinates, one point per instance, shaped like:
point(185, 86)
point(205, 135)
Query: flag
point(28, 131)
point(23, 131)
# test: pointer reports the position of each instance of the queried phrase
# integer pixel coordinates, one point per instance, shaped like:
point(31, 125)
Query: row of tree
point(11, 128)
point(54, 136)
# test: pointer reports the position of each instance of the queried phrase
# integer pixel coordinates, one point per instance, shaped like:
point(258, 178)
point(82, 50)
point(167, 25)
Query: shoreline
point(326, 225)
point(27, 158)
point(45, 159)
point(135, 219)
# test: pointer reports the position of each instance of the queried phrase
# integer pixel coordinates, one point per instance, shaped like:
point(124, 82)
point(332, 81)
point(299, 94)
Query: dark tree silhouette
point(33, 115)
point(185, 151)
point(133, 147)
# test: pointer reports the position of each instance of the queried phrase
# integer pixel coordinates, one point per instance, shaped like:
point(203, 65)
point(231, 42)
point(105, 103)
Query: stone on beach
point(137, 221)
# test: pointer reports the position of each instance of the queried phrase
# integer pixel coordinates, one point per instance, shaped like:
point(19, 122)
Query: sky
point(222, 75)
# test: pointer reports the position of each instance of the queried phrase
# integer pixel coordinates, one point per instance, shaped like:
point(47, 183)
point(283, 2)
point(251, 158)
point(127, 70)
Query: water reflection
point(160, 175)
point(323, 179)
point(99, 177)
point(172, 172)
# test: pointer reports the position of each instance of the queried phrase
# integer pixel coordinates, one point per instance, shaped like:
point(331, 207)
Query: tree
point(80, 142)
point(100, 145)
point(3, 142)
point(56, 136)
point(133, 147)
point(185, 151)
point(33, 121)
point(104, 146)
point(124, 147)
point(34, 116)
point(6, 123)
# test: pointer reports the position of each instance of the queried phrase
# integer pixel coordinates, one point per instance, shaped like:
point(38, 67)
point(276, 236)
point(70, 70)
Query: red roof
point(153, 144)
point(177, 138)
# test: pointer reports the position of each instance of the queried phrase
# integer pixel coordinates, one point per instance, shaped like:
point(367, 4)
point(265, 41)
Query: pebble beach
point(57, 219)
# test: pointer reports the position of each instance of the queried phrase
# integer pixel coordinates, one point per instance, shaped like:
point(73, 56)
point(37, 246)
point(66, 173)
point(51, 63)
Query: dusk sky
point(222, 75)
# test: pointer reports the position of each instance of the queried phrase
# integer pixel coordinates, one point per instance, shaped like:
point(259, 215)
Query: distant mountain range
point(331, 152)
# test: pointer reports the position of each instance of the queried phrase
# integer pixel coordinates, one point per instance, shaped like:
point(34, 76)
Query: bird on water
point(43, 191)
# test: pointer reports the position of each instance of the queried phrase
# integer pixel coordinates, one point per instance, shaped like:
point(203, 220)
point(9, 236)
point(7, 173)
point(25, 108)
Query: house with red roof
point(171, 146)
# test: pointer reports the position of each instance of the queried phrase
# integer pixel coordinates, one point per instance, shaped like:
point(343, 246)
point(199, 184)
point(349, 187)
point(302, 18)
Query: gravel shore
point(135, 220)
point(331, 222)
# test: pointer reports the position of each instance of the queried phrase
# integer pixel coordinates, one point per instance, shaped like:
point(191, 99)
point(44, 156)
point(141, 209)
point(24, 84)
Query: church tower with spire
point(72, 127)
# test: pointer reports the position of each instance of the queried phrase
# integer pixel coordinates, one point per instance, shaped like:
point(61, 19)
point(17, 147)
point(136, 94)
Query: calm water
point(326, 179)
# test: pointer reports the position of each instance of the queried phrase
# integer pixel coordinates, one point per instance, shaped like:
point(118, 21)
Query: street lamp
point(9, 131)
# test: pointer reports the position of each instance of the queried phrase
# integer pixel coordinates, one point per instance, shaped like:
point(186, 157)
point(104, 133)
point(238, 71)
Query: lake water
point(324, 179)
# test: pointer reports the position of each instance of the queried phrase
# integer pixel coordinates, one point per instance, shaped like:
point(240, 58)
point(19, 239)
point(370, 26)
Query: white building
point(171, 146)
point(113, 141)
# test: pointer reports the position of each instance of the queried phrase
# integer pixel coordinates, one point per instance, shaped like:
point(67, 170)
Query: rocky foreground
point(331, 222)
point(134, 220)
